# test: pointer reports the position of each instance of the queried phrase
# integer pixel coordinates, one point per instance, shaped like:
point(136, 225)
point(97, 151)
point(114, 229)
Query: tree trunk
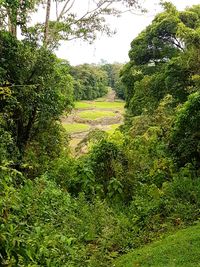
point(14, 30)
point(46, 27)
point(12, 21)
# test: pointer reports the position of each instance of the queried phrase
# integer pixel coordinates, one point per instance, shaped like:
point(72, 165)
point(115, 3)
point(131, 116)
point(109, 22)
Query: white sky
point(115, 48)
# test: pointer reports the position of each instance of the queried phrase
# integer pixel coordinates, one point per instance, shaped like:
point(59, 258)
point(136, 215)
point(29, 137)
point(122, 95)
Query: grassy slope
point(181, 249)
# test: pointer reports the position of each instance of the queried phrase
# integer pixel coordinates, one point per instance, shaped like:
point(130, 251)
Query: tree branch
point(63, 11)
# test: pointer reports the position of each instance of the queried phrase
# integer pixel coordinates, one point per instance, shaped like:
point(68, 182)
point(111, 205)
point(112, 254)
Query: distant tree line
point(90, 82)
point(114, 78)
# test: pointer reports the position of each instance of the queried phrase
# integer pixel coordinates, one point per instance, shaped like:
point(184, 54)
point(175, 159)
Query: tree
point(164, 59)
point(158, 42)
point(108, 164)
point(40, 89)
point(67, 22)
point(16, 13)
point(70, 24)
point(46, 27)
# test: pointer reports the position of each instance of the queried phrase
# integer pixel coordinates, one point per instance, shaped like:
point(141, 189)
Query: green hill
point(181, 249)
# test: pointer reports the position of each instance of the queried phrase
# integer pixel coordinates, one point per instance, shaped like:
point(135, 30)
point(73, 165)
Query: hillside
point(182, 249)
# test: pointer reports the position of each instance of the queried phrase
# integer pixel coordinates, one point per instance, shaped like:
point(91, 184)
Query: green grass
point(76, 127)
point(93, 115)
point(109, 105)
point(81, 104)
point(181, 249)
point(100, 105)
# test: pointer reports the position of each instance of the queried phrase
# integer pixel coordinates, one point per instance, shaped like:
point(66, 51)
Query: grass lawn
point(76, 127)
point(181, 249)
point(93, 115)
point(81, 104)
point(100, 105)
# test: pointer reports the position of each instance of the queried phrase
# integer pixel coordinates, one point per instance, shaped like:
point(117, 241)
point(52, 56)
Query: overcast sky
point(115, 48)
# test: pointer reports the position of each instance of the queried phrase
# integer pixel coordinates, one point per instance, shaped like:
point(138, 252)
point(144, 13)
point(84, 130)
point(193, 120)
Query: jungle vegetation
point(134, 186)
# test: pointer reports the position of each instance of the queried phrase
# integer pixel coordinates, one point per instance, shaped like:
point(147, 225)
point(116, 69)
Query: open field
point(95, 114)
point(109, 105)
point(82, 105)
point(99, 105)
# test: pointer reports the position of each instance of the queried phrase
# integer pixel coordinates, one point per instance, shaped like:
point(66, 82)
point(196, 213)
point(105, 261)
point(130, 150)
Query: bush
point(42, 225)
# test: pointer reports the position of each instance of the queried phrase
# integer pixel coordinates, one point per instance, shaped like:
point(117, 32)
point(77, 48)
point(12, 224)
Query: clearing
point(104, 114)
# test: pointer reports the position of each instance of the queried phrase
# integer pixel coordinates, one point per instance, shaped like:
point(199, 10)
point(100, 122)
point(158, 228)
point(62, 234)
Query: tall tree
point(35, 90)
point(46, 27)
point(88, 20)
point(185, 136)
point(64, 19)
point(164, 59)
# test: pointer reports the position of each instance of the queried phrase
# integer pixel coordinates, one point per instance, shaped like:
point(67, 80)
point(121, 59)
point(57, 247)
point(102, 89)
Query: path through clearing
point(111, 96)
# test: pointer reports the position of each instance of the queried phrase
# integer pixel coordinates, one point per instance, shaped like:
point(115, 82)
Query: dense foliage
point(90, 82)
point(162, 60)
point(35, 90)
point(132, 186)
